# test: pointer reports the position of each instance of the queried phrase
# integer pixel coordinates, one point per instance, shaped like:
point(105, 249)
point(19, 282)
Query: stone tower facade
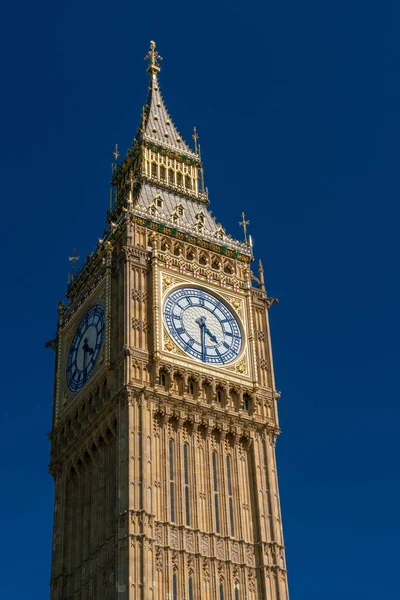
point(165, 409)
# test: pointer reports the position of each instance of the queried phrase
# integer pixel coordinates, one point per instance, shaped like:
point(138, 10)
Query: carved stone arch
point(228, 266)
point(191, 253)
point(188, 426)
point(178, 249)
point(173, 424)
point(216, 263)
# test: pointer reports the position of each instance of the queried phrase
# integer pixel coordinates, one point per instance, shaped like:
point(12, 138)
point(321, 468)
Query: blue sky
point(298, 109)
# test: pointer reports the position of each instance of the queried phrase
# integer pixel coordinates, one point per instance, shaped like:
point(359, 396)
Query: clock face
point(85, 348)
point(202, 326)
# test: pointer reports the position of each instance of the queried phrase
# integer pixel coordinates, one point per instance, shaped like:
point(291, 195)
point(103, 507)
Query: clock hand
point(86, 347)
point(212, 336)
point(201, 321)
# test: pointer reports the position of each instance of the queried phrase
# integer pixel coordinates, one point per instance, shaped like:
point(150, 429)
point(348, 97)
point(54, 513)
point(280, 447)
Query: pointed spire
point(157, 126)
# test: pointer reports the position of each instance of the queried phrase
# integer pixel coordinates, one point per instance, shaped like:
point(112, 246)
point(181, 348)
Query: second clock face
point(85, 348)
point(202, 325)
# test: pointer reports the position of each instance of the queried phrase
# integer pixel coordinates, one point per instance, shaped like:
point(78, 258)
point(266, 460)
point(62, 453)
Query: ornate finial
point(244, 224)
point(74, 259)
point(154, 58)
point(116, 153)
point(195, 137)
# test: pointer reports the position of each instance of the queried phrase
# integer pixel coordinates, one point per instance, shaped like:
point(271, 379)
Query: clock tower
point(165, 407)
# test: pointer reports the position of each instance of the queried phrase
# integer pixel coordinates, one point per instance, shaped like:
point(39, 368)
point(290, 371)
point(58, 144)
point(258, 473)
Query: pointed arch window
point(153, 169)
point(171, 176)
point(190, 586)
point(216, 492)
point(221, 590)
point(174, 587)
point(236, 593)
point(186, 479)
point(171, 481)
point(230, 496)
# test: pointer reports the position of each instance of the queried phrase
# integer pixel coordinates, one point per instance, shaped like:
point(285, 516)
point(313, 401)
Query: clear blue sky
point(298, 109)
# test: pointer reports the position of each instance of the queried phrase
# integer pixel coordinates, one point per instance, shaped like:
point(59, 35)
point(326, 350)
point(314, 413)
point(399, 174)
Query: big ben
point(165, 407)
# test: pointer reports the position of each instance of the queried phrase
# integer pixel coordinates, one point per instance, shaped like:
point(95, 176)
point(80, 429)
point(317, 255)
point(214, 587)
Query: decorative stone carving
point(205, 546)
point(159, 533)
point(206, 569)
point(235, 552)
point(174, 537)
point(220, 549)
point(159, 560)
point(250, 555)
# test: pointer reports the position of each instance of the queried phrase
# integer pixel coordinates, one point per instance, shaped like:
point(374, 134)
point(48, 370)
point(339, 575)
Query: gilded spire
point(154, 59)
point(157, 126)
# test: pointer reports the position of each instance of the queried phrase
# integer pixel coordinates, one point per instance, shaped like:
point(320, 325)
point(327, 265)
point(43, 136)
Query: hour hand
point(86, 347)
point(211, 335)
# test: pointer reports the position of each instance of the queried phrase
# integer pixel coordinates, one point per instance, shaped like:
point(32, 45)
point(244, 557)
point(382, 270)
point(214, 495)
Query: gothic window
point(215, 264)
point(203, 259)
point(236, 593)
point(171, 176)
point(216, 493)
point(191, 387)
point(179, 178)
point(221, 590)
point(191, 588)
point(186, 479)
point(180, 209)
point(246, 402)
point(230, 499)
point(188, 182)
point(174, 587)
point(162, 173)
point(171, 480)
point(153, 170)
point(219, 395)
point(163, 379)
point(190, 254)
point(158, 201)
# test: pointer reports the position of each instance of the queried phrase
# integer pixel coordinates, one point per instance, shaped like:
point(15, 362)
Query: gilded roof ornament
point(195, 137)
point(244, 224)
point(154, 59)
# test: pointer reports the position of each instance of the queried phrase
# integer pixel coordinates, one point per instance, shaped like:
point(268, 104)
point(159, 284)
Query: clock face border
point(77, 346)
point(237, 348)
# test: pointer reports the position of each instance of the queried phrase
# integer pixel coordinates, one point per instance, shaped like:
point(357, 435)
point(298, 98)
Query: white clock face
point(202, 325)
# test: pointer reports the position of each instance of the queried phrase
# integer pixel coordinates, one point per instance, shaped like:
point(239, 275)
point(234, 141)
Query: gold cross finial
point(244, 224)
point(195, 137)
point(154, 58)
point(74, 259)
point(116, 153)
